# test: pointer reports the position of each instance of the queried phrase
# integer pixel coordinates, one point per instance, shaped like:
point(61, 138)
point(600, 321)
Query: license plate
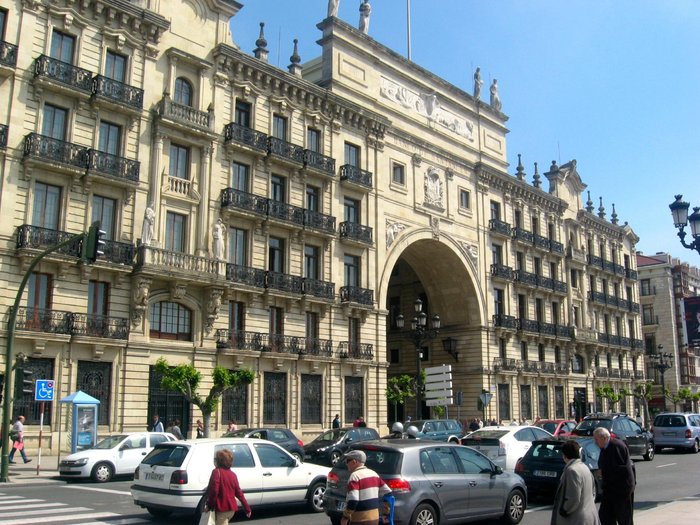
point(155, 476)
point(545, 473)
point(339, 505)
point(669, 433)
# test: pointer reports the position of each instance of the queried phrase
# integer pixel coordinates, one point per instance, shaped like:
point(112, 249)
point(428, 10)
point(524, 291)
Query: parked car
point(434, 483)
point(437, 429)
point(329, 446)
point(116, 455)
point(505, 445)
point(284, 437)
point(174, 476)
point(640, 442)
point(678, 430)
point(557, 427)
point(542, 465)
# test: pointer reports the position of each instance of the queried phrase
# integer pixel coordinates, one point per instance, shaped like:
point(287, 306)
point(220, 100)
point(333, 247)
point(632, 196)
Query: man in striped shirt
point(365, 492)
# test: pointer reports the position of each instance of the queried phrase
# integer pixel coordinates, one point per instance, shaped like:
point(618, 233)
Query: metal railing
point(355, 175)
point(505, 321)
point(355, 232)
point(349, 350)
point(8, 54)
point(508, 364)
point(116, 91)
point(39, 238)
point(44, 320)
point(54, 150)
point(286, 150)
point(283, 282)
point(502, 271)
point(244, 135)
point(320, 162)
point(63, 72)
point(117, 167)
point(500, 227)
point(104, 326)
point(320, 289)
point(3, 135)
point(355, 294)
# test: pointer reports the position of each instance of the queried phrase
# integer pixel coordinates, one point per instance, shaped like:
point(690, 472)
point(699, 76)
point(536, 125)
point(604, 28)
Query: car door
point(486, 495)
point(440, 468)
point(523, 441)
point(282, 480)
point(635, 437)
point(131, 452)
point(250, 474)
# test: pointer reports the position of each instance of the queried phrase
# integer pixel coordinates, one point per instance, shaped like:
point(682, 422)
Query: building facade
point(280, 220)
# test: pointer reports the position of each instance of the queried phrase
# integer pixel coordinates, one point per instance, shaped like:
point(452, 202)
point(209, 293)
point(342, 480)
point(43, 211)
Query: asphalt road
point(81, 503)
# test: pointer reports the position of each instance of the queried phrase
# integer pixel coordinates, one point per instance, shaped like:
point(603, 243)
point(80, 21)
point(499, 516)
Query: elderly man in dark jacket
point(619, 480)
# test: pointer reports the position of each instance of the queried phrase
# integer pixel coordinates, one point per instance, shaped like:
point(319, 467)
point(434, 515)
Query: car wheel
point(158, 513)
point(694, 449)
point(102, 472)
point(315, 499)
point(515, 508)
point(335, 457)
point(650, 452)
point(298, 457)
point(424, 515)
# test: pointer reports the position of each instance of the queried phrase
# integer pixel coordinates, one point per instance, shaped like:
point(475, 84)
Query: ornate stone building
point(281, 220)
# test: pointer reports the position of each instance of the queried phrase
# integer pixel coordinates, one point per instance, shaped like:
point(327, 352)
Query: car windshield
point(588, 425)
point(669, 421)
point(237, 434)
point(591, 451)
point(383, 461)
point(167, 456)
point(488, 434)
point(547, 451)
point(110, 441)
point(330, 436)
point(549, 426)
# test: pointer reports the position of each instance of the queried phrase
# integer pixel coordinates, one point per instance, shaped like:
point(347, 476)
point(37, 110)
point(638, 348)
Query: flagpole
point(408, 24)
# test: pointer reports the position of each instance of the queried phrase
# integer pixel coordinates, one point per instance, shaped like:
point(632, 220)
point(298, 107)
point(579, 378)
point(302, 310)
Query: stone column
point(203, 219)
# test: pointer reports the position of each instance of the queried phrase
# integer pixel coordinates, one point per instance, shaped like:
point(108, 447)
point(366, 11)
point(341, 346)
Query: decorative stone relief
point(427, 105)
point(393, 229)
point(417, 160)
point(213, 307)
point(472, 251)
point(435, 226)
point(178, 291)
point(433, 189)
point(140, 300)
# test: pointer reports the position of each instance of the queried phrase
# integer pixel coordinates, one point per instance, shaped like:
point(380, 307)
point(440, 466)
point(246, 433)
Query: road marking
point(95, 489)
point(58, 519)
point(667, 465)
point(125, 521)
point(9, 499)
point(23, 511)
point(34, 506)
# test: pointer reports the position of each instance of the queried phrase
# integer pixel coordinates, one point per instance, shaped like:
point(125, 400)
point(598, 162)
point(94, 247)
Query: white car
point(505, 445)
point(113, 456)
point(174, 476)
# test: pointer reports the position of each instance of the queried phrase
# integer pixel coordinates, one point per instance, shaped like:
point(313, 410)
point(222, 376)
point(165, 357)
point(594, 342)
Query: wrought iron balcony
point(594, 260)
point(355, 294)
point(38, 238)
point(355, 232)
point(44, 320)
point(284, 212)
point(281, 344)
point(158, 260)
point(316, 347)
point(625, 374)
point(245, 136)
point(608, 266)
point(561, 368)
point(541, 242)
point(522, 235)
point(601, 371)
point(639, 374)
point(118, 253)
point(545, 368)
point(556, 247)
point(502, 271)
point(545, 282)
point(3, 136)
point(564, 331)
point(528, 325)
point(500, 227)
point(529, 366)
point(619, 269)
point(94, 325)
point(186, 115)
point(505, 321)
point(72, 76)
point(320, 289)
point(319, 162)
point(241, 200)
point(314, 220)
point(614, 372)
point(8, 54)
point(356, 176)
point(286, 150)
point(118, 92)
point(631, 274)
point(283, 282)
point(114, 167)
point(55, 151)
point(526, 277)
point(547, 328)
point(239, 340)
point(560, 286)
point(507, 364)
point(349, 350)
point(245, 275)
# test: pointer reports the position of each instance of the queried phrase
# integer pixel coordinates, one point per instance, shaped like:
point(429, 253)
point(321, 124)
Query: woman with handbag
point(224, 489)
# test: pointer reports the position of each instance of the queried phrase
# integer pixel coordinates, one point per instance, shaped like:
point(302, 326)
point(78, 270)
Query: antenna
point(279, 44)
point(408, 26)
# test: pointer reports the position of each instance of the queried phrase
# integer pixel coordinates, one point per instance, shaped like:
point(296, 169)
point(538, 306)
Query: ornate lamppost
point(419, 334)
point(662, 361)
point(679, 210)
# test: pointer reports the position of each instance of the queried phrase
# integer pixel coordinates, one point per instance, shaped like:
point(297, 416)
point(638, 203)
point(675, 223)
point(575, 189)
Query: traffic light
point(27, 382)
point(93, 245)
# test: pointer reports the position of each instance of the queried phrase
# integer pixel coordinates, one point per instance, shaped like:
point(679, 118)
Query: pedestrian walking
point(157, 424)
point(336, 421)
point(224, 489)
point(574, 501)
point(200, 429)
point(232, 426)
point(365, 492)
point(619, 479)
point(174, 429)
point(17, 437)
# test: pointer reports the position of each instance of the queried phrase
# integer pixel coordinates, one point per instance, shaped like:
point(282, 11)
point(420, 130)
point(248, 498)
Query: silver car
point(434, 482)
point(678, 430)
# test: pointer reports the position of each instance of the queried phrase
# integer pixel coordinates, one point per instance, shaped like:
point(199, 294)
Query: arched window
point(171, 321)
point(183, 92)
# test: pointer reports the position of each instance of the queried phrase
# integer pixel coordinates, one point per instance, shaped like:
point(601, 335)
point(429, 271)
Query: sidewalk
point(26, 472)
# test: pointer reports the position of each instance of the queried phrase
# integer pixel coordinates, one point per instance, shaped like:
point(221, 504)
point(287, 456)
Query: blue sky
point(611, 83)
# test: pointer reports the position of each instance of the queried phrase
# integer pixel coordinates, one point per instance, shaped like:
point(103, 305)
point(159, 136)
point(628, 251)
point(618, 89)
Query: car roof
point(507, 427)
point(399, 444)
point(222, 441)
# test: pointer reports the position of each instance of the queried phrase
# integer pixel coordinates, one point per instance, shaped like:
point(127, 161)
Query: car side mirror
point(348, 440)
point(497, 470)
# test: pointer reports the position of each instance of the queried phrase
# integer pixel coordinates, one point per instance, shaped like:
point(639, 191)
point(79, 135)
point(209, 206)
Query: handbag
point(18, 445)
point(207, 518)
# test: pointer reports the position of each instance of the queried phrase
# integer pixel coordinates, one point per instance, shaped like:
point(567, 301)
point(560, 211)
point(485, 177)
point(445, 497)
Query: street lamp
point(662, 361)
point(679, 210)
point(419, 335)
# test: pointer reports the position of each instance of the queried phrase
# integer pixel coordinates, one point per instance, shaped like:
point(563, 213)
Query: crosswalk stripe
point(22, 499)
point(22, 511)
point(60, 519)
point(97, 489)
point(5, 508)
point(125, 521)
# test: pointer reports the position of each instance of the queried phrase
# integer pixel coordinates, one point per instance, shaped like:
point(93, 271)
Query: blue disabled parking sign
point(44, 390)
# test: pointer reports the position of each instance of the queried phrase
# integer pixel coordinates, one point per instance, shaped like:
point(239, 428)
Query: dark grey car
point(433, 483)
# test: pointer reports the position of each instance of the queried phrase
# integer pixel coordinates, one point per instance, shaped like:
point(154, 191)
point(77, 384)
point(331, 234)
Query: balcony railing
point(318, 221)
point(500, 227)
point(355, 294)
point(258, 342)
point(630, 274)
point(284, 282)
point(529, 325)
point(118, 252)
point(561, 368)
point(638, 374)
point(281, 344)
point(54, 150)
point(286, 150)
point(522, 235)
point(541, 242)
point(356, 232)
point(39, 238)
point(529, 366)
point(500, 363)
point(564, 331)
point(245, 201)
point(170, 260)
point(601, 371)
point(244, 135)
point(186, 115)
point(594, 260)
point(44, 320)
point(282, 211)
point(239, 340)
point(63, 72)
point(245, 275)
point(502, 271)
point(526, 277)
point(316, 347)
point(117, 92)
point(116, 167)
point(8, 54)
point(545, 368)
point(348, 350)
point(3, 136)
point(505, 321)
point(320, 162)
point(93, 325)
point(356, 175)
point(320, 289)
point(556, 247)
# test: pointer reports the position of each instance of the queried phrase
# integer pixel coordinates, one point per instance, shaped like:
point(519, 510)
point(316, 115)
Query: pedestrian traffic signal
point(93, 245)
point(27, 382)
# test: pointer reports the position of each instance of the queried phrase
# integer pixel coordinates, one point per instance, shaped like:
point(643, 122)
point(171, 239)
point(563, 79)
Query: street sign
point(433, 394)
point(485, 398)
point(438, 385)
point(443, 401)
point(44, 390)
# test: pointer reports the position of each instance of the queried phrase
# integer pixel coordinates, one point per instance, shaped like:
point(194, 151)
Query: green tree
point(186, 380)
point(399, 389)
point(642, 393)
point(686, 395)
point(609, 393)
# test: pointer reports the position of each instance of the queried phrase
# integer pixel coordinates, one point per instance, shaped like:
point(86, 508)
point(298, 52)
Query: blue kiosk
point(83, 420)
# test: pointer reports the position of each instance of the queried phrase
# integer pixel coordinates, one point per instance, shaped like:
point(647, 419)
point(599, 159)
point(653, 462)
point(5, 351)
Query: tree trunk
point(206, 419)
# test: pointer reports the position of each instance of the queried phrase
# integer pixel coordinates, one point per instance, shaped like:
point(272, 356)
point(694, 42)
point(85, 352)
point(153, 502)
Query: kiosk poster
point(86, 428)
point(692, 320)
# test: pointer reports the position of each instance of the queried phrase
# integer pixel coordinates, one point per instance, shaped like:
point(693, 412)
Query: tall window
point(645, 285)
point(497, 254)
point(62, 46)
point(352, 270)
point(353, 397)
point(183, 92)
point(3, 21)
point(557, 355)
point(495, 211)
point(313, 198)
point(499, 301)
point(55, 122)
point(278, 188)
point(313, 139)
point(237, 246)
point(520, 263)
point(243, 111)
point(46, 210)
point(179, 161)
point(539, 310)
point(555, 312)
point(236, 316)
point(522, 306)
point(523, 350)
point(276, 318)
point(537, 265)
point(352, 155)
point(171, 321)
point(274, 398)
point(504, 401)
point(95, 380)
point(535, 225)
point(98, 298)
point(167, 403)
point(464, 199)
point(398, 174)
point(110, 138)
point(40, 286)
point(518, 218)
point(115, 66)
point(275, 253)
point(542, 401)
point(351, 208)
point(559, 402)
point(541, 352)
point(104, 210)
point(175, 232)
point(550, 231)
point(311, 394)
point(353, 332)
point(311, 262)
point(234, 404)
point(526, 401)
point(279, 127)
point(312, 325)
point(239, 176)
